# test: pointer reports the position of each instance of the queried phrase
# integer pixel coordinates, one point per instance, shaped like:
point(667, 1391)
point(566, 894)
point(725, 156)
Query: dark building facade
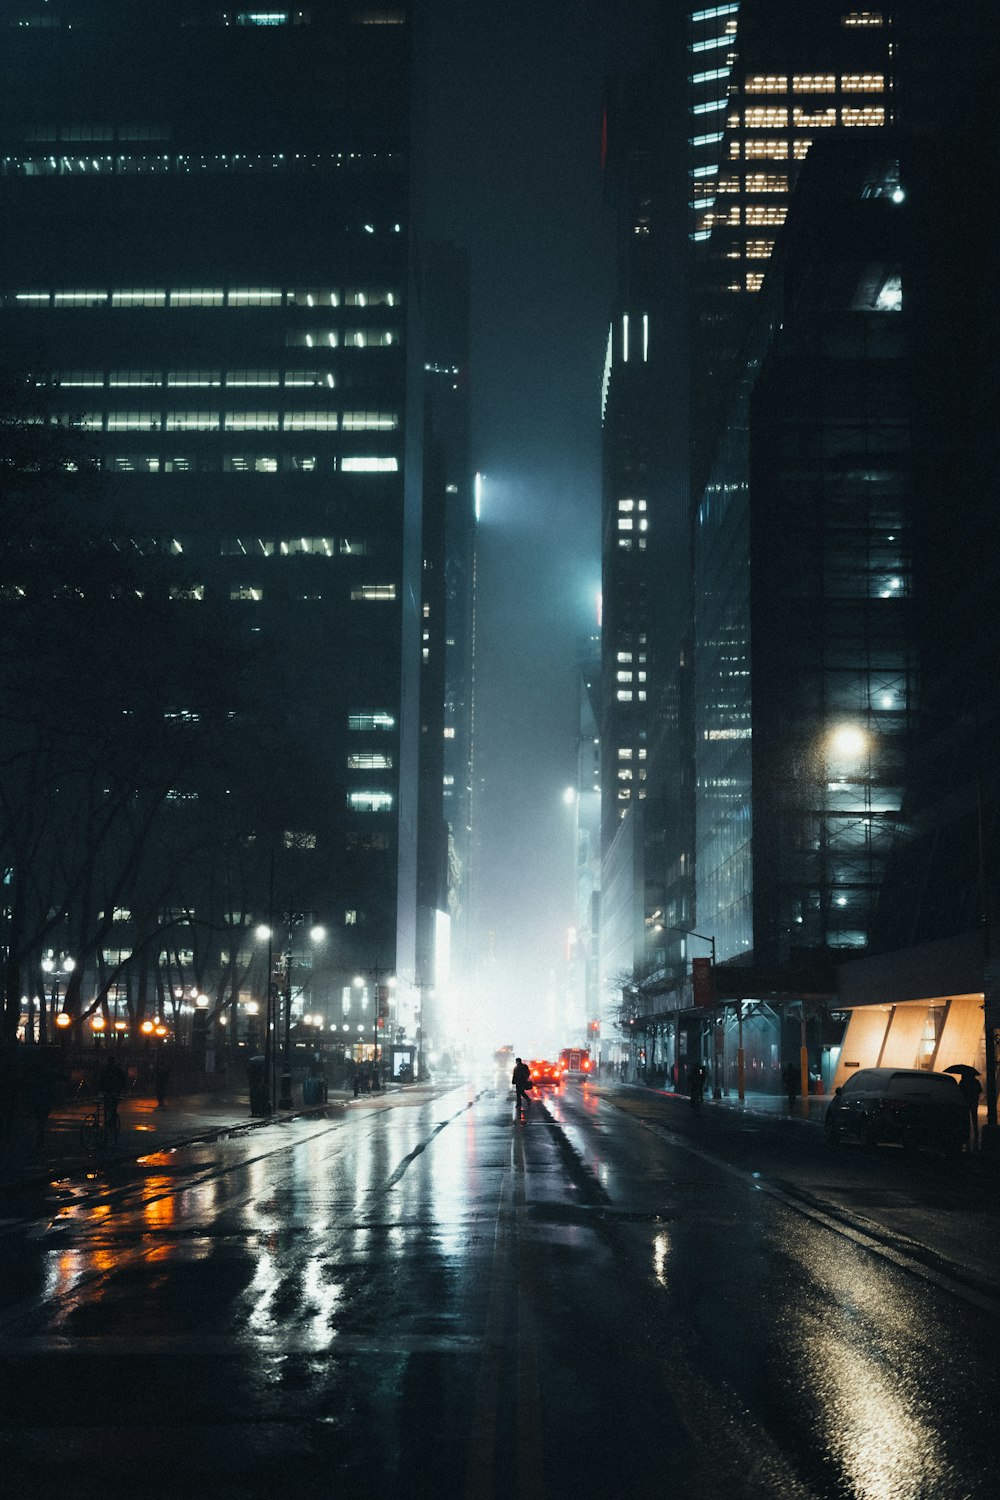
point(206, 269)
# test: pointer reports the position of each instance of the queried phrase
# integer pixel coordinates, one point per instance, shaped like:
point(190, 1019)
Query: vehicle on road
point(575, 1060)
point(545, 1074)
point(905, 1106)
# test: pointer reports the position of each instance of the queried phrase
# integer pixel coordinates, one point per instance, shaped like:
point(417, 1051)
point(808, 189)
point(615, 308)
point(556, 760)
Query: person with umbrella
point(970, 1089)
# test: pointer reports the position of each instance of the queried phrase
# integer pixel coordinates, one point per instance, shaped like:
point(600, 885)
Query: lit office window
point(370, 297)
point(862, 83)
point(375, 592)
point(370, 421)
point(370, 465)
point(814, 83)
point(262, 18)
point(758, 249)
point(754, 281)
point(804, 119)
point(139, 297)
point(249, 463)
point(314, 546)
point(192, 421)
point(369, 801)
point(761, 182)
point(310, 421)
point(762, 149)
point(862, 18)
point(769, 213)
point(251, 421)
point(766, 83)
point(198, 297)
point(246, 592)
point(81, 299)
point(254, 296)
point(301, 379)
point(313, 297)
point(79, 379)
point(871, 115)
point(765, 117)
point(376, 720)
point(188, 591)
point(312, 338)
point(131, 421)
point(369, 760)
point(245, 547)
point(131, 463)
point(370, 338)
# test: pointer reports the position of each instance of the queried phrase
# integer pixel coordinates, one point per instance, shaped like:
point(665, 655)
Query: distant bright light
point(569, 796)
point(479, 495)
point(848, 742)
point(898, 195)
point(317, 933)
point(262, 933)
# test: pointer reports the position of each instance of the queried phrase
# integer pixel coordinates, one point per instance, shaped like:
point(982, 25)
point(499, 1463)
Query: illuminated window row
point(244, 463)
point(305, 546)
point(369, 760)
point(867, 18)
point(769, 150)
point(140, 164)
point(233, 421)
point(247, 593)
point(190, 379)
point(772, 117)
point(352, 338)
point(376, 720)
point(369, 801)
point(207, 297)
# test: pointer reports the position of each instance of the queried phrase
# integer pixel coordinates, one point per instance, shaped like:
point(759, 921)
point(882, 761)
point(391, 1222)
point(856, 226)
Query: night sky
point(513, 107)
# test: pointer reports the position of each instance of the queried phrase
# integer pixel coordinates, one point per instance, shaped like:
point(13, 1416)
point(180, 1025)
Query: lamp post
point(317, 934)
point(716, 1084)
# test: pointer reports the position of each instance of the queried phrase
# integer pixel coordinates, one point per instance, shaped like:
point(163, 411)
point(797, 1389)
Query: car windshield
point(930, 1086)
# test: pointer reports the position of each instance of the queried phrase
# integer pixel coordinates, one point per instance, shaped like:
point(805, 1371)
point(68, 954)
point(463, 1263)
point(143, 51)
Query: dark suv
point(905, 1105)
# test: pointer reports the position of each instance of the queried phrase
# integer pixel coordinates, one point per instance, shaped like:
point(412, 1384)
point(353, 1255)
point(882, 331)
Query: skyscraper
point(206, 268)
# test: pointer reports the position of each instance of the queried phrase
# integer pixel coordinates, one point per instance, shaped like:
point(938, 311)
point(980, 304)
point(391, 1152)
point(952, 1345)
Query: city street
point(416, 1294)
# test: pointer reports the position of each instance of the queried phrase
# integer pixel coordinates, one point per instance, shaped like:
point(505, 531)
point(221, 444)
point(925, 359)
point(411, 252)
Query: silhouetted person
point(356, 1083)
point(161, 1078)
point(521, 1079)
point(696, 1082)
point(111, 1081)
point(970, 1089)
point(790, 1080)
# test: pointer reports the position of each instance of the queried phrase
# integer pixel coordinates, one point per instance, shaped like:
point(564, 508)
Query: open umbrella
point(963, 1070)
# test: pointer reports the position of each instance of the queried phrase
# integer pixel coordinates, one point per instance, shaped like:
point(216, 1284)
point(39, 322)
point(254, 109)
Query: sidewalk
point(756, 1103)
point(145, 1128)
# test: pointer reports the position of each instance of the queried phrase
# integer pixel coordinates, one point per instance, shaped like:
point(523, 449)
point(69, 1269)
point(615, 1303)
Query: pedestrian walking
point(521, 1079)
point(161, 1077)
point(790, 1081)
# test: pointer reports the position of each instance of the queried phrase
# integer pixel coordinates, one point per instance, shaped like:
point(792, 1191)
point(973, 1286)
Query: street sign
point(703, 981)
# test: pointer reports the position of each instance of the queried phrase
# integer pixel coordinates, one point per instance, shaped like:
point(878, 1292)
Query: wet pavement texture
point(420, 1294)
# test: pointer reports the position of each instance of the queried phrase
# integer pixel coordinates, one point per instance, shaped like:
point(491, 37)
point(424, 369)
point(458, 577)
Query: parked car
point(902, 1105)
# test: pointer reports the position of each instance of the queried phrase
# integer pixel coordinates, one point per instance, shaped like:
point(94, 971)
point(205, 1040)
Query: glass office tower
point(205, 267)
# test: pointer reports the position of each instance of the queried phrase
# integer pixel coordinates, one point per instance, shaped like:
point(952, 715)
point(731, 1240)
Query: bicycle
point(101, 1128)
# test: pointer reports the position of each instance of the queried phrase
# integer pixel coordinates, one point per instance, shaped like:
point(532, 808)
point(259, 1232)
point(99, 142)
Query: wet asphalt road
point(423, 1296)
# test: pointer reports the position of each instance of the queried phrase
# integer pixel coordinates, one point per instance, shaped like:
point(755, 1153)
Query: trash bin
point(312, 1091)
